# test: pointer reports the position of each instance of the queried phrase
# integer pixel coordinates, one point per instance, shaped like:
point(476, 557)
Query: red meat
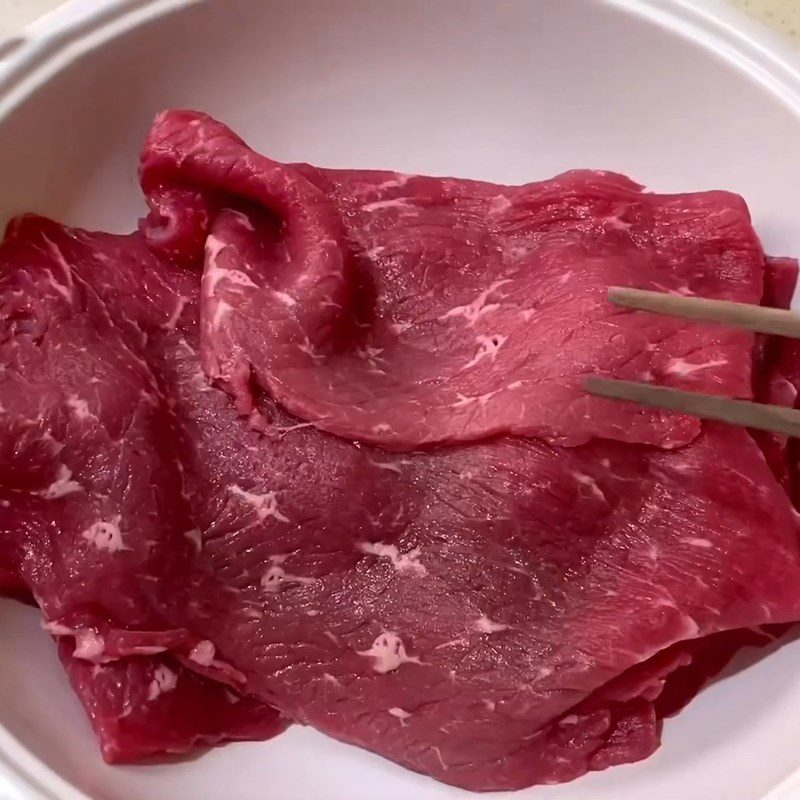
point(405, 310)
point(143, 707)
point(497, 612)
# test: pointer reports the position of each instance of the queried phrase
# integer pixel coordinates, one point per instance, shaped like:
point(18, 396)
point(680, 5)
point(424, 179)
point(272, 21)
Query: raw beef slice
point(153, 706)
point(405, 310)
point(495, 613)
point(777, 369)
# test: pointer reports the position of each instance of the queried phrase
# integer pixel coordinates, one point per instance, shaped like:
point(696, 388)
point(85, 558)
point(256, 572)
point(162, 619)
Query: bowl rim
point(30, 59)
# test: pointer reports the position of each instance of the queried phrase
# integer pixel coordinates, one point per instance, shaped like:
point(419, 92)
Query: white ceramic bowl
point(680, 95)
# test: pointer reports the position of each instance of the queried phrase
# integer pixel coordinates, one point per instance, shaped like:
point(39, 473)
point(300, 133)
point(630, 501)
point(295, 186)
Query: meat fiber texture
point(297, 450)
point(153, 706)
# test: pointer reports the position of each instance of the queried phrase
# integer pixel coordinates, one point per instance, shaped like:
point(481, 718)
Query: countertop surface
point(783, 15)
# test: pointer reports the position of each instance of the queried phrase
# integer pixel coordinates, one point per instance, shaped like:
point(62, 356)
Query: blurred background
point(783, 15)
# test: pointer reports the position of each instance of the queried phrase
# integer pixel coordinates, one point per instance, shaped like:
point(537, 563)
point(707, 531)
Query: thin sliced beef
point(9, 580)
point(143, 707)
point(494, 614)
point(494, 551)
point(776, 360)
point(405, 310)
point(781, 382)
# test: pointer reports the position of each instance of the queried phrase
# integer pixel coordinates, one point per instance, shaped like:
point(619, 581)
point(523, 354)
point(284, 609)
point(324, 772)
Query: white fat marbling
point(388, 653)
point(89, 645)
point(485, 625)
point(80, 408)
point(702, 543)
point(488, 347)
point(105, 535)
point(62, 485)
point(480, 306)
point(590, 483)
point(203, 653)
point(402, 562)
point(265, 505)
point(401, 714)
point(683, 368)
point(164, 680)
point(274, 579)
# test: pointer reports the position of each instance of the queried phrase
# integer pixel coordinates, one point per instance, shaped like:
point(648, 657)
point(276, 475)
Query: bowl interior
point(512, 90)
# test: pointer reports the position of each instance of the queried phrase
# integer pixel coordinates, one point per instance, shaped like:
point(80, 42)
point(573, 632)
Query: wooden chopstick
point(761, 416)
point(737, 315)
point(707, 406)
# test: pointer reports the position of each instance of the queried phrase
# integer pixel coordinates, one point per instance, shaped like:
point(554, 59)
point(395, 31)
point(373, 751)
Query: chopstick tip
point(595, 384)
point(616, 293)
